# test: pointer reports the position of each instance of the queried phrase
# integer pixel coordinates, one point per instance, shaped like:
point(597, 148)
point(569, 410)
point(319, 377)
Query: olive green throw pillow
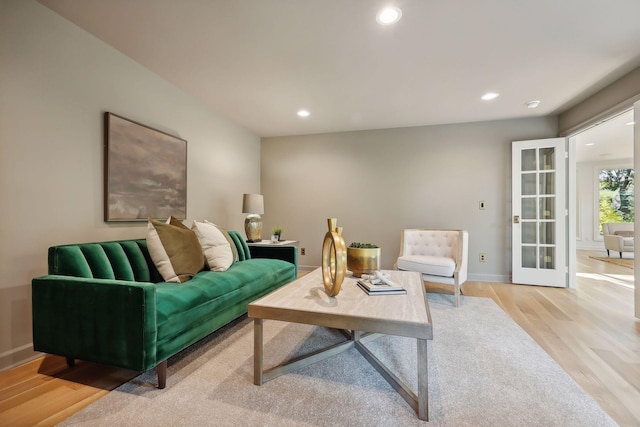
point(174, 249)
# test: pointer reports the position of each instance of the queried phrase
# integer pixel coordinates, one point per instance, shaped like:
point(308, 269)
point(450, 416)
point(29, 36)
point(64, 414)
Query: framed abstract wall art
point(145, 172)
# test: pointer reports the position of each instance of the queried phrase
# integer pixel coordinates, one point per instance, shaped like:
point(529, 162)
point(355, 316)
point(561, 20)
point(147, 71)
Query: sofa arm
point(105, 321)
point(613, 242)
point(285, 253)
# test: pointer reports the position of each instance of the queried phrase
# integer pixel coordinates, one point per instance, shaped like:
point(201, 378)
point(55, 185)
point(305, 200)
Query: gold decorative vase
point(253, 228)
point(334, 258)
point(363, 260)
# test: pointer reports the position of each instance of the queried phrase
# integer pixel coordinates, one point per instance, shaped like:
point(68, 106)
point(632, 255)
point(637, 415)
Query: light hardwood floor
point(590, 331)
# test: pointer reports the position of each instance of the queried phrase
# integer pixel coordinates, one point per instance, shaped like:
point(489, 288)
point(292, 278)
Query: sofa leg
point(161, 369)
point(607, 252)
point(71, 362)
point(620, 255)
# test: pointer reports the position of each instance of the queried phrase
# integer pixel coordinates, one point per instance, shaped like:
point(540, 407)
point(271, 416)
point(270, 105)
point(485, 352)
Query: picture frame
point(145, 172)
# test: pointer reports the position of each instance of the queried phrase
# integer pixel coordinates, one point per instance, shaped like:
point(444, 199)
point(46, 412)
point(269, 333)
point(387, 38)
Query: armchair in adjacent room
point(439, 255)
point(618, 236)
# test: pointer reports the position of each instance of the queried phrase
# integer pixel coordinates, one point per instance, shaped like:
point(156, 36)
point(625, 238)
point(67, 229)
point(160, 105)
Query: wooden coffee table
point(361, 317)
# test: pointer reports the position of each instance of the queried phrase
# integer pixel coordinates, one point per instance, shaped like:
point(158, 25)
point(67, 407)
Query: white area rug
point(484, 370)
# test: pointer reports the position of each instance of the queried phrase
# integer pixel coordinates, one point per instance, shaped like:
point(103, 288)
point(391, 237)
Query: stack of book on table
point(377, 287)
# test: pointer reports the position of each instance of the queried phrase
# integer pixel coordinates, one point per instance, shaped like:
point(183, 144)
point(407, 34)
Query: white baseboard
point(18, 356)
point(493, 278)
point(590, 246)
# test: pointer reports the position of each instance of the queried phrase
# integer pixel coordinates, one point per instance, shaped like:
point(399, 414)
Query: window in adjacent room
point(616, 195)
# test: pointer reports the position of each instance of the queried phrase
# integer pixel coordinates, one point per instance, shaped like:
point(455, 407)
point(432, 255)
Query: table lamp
point(253, 205)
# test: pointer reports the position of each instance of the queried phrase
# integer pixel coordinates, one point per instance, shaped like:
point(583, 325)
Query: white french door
point(539, 212)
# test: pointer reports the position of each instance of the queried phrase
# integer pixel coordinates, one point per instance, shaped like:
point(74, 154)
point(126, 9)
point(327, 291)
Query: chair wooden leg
point(161, 369)
point(457, 293)
point(71, 362)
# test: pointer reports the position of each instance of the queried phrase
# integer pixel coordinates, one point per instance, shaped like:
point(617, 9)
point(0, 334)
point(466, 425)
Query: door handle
point(516, 219)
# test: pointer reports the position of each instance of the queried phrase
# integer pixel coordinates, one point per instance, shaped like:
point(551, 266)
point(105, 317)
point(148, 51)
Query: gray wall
point(614, 98)
point(55, 83)
point(380, 181)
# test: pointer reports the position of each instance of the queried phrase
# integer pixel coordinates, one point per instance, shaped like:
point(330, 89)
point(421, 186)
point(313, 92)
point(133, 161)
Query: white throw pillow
point(216, 247)
point(236, 258)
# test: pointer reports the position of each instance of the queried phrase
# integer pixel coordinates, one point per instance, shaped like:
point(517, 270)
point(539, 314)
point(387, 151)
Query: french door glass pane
point(547, 257)
point(547, 208)
point(547, 182)
point(529, 257)
point(547, 158)
point(529, 232)
point(529, 160)
point(547, 230)
point(529, 208)
point(528, 184)
point(538, 202)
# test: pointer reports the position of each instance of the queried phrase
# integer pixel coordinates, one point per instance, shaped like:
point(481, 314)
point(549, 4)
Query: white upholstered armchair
point(618, 236)
point(440, 255)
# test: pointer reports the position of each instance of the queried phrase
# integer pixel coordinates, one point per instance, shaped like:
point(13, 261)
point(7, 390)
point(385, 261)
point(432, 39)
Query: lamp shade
point(253, 204)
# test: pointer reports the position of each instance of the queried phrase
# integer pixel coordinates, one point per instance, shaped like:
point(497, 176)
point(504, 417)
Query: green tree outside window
point(617, 195)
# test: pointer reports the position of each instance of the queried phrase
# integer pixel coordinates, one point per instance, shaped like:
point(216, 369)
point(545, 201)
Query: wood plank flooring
point(45, 391)
point(590, 331)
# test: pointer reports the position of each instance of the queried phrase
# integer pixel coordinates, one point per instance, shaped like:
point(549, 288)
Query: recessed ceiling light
point(630, 123)
point(389, 15)
point(303, 113)
point(489, 96)
point(533, 104)
point(590, 144)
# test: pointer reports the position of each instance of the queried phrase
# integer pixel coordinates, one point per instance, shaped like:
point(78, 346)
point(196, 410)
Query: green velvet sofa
point(106, 302)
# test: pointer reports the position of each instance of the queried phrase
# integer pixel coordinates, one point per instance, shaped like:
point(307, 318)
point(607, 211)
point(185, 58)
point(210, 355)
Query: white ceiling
point(258, 61)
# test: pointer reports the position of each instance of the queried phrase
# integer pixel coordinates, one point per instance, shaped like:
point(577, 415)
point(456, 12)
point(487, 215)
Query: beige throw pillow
point(229, 239)
point(216, 247)
point(174, 249)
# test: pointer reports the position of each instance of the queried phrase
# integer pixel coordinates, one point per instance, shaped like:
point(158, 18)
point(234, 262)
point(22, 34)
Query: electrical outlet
point(303, 251)
point(483, 257)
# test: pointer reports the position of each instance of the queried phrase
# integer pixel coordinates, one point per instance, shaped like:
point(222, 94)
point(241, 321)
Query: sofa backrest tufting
point(119, 260)
point(440, 243)
point(241, 245)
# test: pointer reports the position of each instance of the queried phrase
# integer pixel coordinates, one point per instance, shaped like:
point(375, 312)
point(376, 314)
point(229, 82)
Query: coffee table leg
point(423, 382)
point(257, 351)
